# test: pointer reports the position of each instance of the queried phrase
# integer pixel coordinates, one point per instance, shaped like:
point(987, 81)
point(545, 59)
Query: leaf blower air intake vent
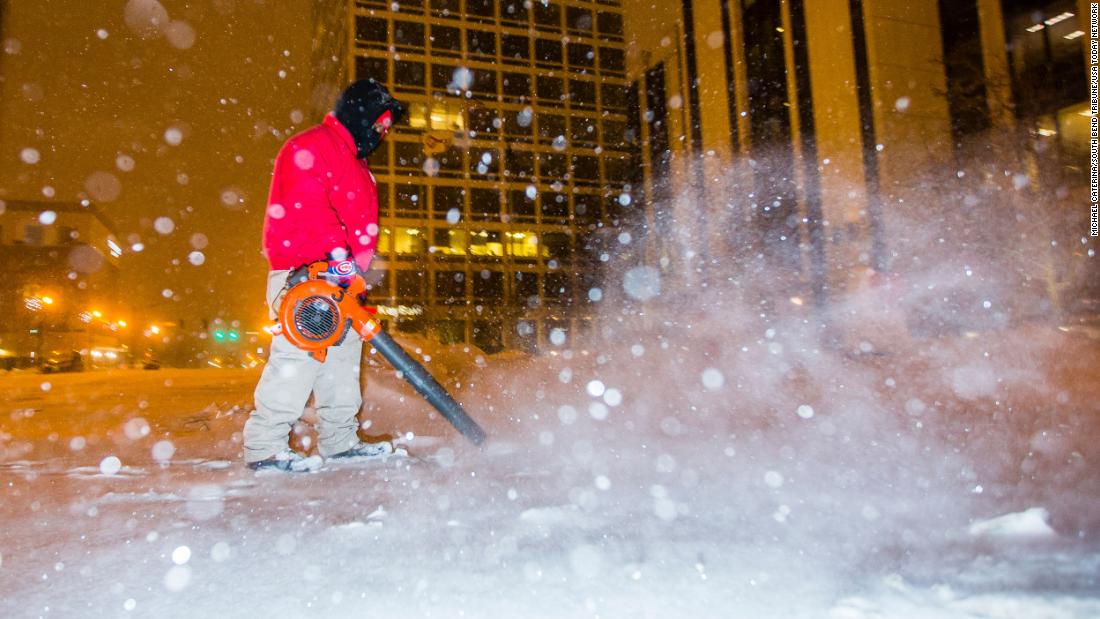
point(316, 318)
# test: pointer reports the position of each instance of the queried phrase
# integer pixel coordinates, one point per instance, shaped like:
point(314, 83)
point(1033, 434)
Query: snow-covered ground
point(660, 477)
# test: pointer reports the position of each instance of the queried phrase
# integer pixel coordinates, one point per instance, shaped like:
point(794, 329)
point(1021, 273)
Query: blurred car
point(149, 361)
point(71, 361)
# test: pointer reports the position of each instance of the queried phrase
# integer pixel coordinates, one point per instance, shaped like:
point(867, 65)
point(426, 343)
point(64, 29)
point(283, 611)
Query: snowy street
point(550, 309)
point(881, 488)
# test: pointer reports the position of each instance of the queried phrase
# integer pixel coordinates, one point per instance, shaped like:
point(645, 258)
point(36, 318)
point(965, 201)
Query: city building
point(823, 137)
point(59, 292)
point(516, 166)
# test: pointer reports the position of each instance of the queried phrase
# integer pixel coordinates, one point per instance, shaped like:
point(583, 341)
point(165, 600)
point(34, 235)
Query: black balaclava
point(362, 103)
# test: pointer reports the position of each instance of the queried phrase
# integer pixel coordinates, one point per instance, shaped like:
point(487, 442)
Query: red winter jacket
point(323, 198)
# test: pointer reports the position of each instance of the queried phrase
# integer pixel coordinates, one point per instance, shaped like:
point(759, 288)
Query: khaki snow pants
point(288, 379)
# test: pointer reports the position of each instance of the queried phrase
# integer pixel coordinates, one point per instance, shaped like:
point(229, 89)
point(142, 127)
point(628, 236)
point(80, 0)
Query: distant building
point(515, 168)
point(822, 137)
point(59, 291)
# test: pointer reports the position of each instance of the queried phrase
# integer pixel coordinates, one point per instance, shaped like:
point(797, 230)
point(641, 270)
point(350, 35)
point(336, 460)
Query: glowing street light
point(48, 300)
point(122, 323)
point(155, 330)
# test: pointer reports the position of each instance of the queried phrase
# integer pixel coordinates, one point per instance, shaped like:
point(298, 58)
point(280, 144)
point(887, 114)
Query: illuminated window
point(418, 115)
point(440, 116)
point(522, 244)
point(409, 242)
point(448, 117)
point(385, 242)
point(486, 243)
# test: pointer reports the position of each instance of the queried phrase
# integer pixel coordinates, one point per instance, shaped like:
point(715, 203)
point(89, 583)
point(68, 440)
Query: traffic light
point(233, 335)
point(219, 335)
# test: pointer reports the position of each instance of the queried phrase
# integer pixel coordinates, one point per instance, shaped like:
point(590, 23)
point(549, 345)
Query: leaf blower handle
point(428, 387)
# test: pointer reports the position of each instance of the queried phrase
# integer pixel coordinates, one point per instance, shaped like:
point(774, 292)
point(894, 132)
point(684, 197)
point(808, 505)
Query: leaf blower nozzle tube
point(428, 387)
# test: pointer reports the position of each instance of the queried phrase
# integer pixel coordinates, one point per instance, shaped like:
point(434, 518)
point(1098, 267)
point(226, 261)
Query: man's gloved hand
point(342, 272)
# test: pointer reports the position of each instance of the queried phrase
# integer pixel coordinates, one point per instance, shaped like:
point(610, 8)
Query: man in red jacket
point(323, 206)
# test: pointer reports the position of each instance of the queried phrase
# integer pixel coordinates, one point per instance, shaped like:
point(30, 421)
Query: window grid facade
point(523, 113)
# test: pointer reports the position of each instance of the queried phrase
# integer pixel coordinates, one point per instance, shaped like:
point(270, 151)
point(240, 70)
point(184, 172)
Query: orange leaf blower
point(320, 308)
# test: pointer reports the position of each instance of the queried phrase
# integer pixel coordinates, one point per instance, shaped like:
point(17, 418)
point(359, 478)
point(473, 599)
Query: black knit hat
point(360, 106)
